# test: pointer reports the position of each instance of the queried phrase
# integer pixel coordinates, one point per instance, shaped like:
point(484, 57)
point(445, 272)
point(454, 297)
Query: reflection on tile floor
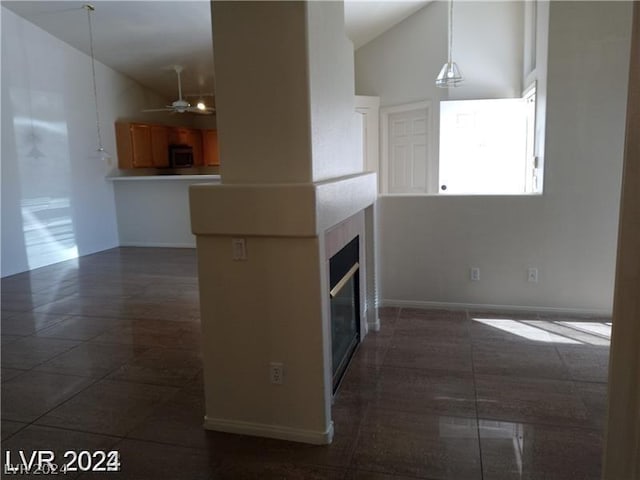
point(104, 353)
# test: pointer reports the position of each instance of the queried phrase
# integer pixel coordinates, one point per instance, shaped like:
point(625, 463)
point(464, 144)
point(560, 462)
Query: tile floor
point(103, 353)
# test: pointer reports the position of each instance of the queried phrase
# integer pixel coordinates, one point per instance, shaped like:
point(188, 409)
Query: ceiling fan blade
point(166, 109)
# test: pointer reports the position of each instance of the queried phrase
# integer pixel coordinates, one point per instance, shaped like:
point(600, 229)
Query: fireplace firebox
point(345, 307)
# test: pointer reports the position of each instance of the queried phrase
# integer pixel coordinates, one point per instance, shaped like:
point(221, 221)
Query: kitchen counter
point(208, 178)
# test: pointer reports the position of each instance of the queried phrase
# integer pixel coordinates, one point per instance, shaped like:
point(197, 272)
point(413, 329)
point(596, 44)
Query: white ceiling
point(142, 38)
point(137, 38)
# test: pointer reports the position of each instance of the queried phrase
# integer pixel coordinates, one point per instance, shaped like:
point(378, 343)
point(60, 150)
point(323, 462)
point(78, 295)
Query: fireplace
point(344, 293)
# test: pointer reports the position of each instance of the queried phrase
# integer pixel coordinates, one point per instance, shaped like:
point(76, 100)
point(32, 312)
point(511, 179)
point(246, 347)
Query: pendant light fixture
point(100, 153)
point(450, 75)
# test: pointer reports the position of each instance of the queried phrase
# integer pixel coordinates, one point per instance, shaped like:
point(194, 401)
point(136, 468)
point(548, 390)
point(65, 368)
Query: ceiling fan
point(181, 105)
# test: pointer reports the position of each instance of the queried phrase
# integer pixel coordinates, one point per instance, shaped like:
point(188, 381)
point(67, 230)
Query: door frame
point(369, 107)
point(621, 457)
point(385, 112)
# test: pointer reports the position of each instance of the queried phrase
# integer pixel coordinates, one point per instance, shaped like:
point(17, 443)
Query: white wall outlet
point(276, 373)
point(239, 249)
point(532, 275)
point(474, 274)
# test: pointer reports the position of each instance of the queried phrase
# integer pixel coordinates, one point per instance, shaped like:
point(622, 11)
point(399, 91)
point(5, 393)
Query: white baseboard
point(270, 431)
point(374, 326)
point(157, 245)
point(372, 320)
point(387, 302)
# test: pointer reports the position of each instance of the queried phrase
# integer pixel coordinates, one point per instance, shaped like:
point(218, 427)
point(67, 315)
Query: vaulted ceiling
point(143, 39)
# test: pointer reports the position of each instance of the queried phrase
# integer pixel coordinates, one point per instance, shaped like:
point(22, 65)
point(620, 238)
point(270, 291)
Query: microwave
point(180, 156)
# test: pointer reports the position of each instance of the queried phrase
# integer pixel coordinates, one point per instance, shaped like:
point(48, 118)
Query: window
point(487, 146)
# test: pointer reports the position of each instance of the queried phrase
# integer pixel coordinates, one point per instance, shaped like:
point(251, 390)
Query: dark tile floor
point(103, 353)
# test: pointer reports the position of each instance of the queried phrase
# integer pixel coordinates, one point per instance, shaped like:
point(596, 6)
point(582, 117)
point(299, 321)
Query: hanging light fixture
point(100, 153)
point(450, 75)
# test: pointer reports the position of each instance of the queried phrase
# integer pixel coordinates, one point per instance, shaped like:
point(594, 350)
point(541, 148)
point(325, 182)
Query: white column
point(290, 171)
point(622, 447)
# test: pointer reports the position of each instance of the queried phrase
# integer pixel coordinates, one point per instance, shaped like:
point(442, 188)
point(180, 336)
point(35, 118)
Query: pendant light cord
point(91, 8)
point(450, 30)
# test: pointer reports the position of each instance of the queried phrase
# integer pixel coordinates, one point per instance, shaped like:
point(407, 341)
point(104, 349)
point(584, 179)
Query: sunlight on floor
point(576, 333)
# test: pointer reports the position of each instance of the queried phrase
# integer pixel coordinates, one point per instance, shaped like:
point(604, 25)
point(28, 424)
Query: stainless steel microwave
point(180, 156)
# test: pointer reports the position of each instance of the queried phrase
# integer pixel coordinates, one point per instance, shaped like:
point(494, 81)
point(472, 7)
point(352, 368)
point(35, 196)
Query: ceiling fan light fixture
point(450, 74)
point(201, 106)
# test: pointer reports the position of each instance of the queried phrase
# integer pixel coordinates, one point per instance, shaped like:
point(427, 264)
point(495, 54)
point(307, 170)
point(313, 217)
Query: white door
point(408, 157)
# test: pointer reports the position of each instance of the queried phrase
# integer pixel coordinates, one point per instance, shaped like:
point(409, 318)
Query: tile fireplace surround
point(104, 353)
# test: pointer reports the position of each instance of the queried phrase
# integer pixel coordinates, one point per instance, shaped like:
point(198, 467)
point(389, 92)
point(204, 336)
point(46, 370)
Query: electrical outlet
point(532, 275)
point(474, 274)
point(239, 249)
point(276, 373)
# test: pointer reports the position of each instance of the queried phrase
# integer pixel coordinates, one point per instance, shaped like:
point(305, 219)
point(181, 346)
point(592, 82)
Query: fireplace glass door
point(345, 308)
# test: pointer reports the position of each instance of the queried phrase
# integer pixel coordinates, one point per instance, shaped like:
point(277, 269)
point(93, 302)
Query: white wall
point(492, 67)
point(336, 140)
point(401, 65)
point(569, 233)
point(273, 86)
point(155, 212)
point(57, 206)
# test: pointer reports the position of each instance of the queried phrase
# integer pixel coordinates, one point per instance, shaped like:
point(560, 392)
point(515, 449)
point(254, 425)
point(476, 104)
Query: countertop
point(143, 178)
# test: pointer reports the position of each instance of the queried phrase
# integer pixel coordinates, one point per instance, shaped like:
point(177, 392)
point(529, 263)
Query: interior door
point(408, 157)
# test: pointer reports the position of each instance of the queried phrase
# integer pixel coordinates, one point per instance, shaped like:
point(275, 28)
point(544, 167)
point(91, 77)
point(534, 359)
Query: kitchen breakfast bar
point(153, 210)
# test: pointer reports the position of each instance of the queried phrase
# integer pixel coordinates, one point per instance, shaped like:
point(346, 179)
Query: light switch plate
point(239, 249)
point(474, 274)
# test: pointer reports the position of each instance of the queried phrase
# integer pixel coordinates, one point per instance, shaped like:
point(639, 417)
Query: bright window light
point(593, 328)
point(567, 332)
point(526, 331)
point(486, 147)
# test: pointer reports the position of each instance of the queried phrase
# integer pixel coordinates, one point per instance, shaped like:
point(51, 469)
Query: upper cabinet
point(160, 145)
point(142, 153)
point(210, 144)
point(142, 145)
